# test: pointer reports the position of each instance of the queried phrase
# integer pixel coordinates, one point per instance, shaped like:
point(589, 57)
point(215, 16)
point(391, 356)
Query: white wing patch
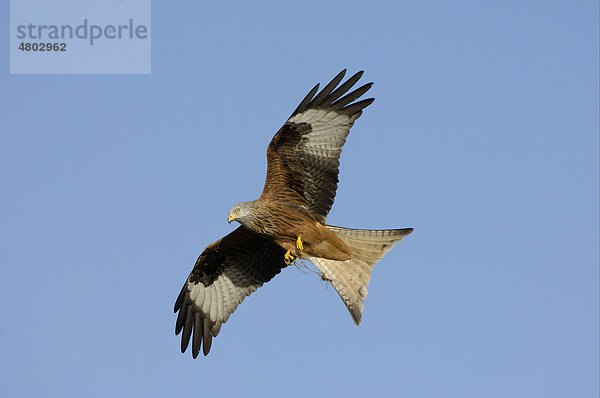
point(218, 301)
point(329, 128)
point(322, 148)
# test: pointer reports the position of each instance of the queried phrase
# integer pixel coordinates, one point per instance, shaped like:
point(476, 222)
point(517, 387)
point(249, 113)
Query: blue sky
point(483, 137)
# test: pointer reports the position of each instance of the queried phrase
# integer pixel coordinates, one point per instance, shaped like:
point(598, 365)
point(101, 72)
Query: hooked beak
point(230, 218)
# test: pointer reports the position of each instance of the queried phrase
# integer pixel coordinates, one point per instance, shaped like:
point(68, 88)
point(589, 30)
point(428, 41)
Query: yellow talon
point(299, 244)
point(288, 258)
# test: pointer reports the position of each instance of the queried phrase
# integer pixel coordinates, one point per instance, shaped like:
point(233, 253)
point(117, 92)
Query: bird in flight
point(288, 221)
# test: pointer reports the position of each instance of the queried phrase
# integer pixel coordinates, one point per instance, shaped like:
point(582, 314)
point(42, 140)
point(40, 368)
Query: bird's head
point(239, 212)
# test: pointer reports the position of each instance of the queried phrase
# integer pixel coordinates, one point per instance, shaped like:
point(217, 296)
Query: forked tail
point(351, 277)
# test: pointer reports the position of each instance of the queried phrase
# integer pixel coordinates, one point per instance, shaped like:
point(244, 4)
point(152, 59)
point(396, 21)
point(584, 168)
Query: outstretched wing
point(303, 157)
point(225, 273)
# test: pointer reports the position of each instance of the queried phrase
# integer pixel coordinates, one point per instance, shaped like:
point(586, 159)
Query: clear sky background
point(483, 137)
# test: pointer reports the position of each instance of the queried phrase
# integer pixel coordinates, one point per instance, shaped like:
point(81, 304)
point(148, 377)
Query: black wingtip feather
point(187, 328)
point(322, 96)
point(330, 95)
point(207, 340)
point(347, 85)
point(348, 98)
point(357, 107)
point(197, 335)
point(306, 101)
point(180, 320)
point(179, 300)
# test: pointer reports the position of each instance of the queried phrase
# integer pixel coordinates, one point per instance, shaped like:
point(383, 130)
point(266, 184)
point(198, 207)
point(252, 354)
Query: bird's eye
point(237, 210)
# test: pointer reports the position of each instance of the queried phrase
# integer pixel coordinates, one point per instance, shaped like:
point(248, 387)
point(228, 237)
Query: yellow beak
point(230, 218)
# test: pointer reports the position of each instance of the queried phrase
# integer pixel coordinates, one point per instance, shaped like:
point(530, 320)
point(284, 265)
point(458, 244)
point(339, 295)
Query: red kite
point(288, 221)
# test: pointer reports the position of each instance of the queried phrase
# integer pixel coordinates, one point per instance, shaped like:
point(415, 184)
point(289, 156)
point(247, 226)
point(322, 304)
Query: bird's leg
point(288, 258)
point(299, 244)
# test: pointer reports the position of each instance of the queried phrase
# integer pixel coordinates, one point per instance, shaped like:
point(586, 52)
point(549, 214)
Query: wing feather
point(197, 335)
point(341, 90)
point(226, 272)
point(187, 328)
point(322, 96)
point(341, 103)
point(306, 99)
point(303, 157)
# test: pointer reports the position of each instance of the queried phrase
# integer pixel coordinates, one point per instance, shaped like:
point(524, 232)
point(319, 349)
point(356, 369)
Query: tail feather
point(351, 277)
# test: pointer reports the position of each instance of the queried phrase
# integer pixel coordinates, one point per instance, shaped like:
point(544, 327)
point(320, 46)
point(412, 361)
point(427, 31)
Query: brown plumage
point(288, 219)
